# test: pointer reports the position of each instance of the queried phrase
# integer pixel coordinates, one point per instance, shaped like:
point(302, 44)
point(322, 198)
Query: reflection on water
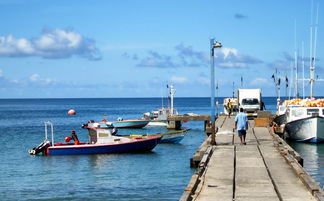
point(313, 155)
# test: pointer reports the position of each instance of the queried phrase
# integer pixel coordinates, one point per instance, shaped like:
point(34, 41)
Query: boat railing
point(49, 124)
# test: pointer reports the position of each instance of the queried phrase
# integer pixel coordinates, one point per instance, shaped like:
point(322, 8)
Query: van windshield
point(250, 101)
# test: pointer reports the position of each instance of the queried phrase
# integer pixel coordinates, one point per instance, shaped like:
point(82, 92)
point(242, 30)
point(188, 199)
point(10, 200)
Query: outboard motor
point(114, 131)
point(41, 148)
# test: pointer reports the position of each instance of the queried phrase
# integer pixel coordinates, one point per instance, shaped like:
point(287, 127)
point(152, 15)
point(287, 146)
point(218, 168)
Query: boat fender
point(67, 139)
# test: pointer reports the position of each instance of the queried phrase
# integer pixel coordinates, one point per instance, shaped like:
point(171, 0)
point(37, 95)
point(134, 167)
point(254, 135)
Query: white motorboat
point(305, 124)
point(160, 117)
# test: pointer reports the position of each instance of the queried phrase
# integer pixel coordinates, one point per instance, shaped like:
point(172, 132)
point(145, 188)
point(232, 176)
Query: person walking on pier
point(241, 124)
point(229, 107)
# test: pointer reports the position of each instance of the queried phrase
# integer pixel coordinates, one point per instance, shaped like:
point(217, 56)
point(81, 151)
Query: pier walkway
point(264, 169)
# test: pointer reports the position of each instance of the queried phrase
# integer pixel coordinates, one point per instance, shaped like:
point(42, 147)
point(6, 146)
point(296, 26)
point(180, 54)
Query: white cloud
point(37, 79)
point(52, 43)
point(179, 79)
point(231, 58)
point(187, 56)
point(34, 77)
point(226, 51)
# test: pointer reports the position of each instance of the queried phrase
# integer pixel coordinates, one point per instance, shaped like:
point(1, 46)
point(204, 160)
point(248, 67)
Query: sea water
point(161, 174)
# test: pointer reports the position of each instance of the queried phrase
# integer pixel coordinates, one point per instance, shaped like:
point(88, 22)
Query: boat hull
point(141, 145)
point(174, 138)
point(170, 137)
point(309, 129)
point(280, 119)
point(130, 123)
point(157, 123)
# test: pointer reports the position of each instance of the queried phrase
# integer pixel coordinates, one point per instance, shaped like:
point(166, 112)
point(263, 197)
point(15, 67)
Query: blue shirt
point(241, 119)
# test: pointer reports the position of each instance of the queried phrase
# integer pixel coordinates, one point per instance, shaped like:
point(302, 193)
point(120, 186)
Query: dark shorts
point(241, 133)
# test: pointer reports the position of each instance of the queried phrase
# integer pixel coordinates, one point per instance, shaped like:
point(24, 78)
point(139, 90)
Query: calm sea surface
point(158, 175)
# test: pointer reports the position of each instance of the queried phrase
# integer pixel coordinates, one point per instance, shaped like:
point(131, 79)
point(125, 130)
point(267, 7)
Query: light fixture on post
point(213, 45)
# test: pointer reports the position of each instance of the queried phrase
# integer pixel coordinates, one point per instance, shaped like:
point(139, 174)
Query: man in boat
point(74, 137)
point(241, 124)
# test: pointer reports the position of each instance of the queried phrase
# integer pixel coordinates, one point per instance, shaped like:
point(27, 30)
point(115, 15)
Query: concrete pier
point(267, 168)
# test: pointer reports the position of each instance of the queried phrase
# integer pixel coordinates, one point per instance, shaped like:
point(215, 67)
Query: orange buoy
point(71, 112)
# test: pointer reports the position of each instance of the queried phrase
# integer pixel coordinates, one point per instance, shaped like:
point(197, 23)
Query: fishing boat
point(306, 122)
point(101, 141)
point(160, 117)
point(305, 119)
point(168, 137)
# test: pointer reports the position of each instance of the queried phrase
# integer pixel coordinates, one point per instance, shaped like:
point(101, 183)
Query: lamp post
point(213, 45)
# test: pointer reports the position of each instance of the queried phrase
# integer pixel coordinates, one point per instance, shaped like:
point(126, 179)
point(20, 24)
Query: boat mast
point(303, 67)
point(172, 92)
point(313, 51)
point(296, 65)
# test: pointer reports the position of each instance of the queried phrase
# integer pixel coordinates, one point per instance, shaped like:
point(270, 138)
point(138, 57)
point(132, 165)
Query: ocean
point(161, 174)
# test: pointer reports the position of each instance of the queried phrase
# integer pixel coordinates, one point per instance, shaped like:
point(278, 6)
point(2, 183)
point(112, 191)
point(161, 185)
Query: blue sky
point(70, 49)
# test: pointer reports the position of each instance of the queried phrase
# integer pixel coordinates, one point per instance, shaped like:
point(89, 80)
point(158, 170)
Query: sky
point(134, 48)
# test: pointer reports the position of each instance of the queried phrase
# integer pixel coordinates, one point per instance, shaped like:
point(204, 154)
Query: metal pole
point(217, 100)
point(45, 124)
point(212, 89)
point(52, 131)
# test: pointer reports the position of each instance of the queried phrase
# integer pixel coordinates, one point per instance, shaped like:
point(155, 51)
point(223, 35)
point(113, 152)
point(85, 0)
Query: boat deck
point(264, 169)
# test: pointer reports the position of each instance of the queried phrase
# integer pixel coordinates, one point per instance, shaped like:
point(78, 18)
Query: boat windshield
point(312, 111)
point(250, 101)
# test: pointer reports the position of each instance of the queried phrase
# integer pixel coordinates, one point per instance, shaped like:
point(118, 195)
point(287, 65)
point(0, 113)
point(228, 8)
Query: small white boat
point(160, 117)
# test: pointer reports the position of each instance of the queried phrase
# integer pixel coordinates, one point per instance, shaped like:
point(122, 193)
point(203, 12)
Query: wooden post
point(213, 133)
point(174, 125)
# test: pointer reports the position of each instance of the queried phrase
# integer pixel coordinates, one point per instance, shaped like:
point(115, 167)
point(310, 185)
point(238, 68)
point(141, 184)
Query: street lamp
point(213, 45)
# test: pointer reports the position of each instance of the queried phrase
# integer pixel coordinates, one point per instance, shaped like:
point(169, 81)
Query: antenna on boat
point(287, 84)
point(313, 50)
point(162, 96)
point(242, 81)
point(291, 82)
point(276, 80)
point(105, 117)
point(233, 90)
point(296, 63)
point(303, 67)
